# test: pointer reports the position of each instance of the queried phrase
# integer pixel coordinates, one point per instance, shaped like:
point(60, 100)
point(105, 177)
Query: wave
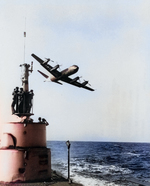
point(102, 163)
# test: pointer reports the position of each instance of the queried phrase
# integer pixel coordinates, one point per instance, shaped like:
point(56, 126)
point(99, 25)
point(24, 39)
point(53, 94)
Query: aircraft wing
point(48, 67)
point(75, 83)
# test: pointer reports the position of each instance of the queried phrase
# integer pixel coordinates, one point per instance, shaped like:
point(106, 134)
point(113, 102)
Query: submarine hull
point(25, 166)
point(24, 156)
point(19, 134)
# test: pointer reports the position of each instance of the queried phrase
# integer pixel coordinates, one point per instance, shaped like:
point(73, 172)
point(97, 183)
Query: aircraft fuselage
point(67, 72)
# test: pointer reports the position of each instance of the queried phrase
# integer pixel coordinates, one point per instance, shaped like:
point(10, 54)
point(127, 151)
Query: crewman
point(21, 100)
point(29, 100)
point(15, 100)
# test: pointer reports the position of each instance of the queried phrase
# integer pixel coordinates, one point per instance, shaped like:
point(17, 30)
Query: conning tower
point(24, 156)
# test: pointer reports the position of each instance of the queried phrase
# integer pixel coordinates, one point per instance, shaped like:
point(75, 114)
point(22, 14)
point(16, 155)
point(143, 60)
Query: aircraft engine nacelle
point(47, 60)
point(84, 83)
point(54, 68)
point(75, 79)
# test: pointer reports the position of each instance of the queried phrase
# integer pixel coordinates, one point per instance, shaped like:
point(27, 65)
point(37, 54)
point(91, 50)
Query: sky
point(110, 42)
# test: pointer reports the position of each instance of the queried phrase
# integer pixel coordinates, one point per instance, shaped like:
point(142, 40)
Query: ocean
point(102, 163)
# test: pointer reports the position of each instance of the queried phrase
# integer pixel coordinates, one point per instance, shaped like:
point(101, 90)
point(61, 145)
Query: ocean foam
point(91, 181)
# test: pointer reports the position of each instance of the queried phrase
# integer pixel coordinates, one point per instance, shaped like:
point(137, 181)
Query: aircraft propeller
point(87, 82)
point(80, 78)
point(48, 59)
point(58, 65)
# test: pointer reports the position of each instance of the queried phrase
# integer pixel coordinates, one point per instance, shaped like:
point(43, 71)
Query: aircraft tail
point(48, 77)
point(43, 74)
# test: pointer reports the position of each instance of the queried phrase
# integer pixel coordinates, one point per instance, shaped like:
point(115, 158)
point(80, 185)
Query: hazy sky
point(110, 42)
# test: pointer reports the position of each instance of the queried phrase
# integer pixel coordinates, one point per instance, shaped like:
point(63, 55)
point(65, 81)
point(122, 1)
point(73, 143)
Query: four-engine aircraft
point(63, 75)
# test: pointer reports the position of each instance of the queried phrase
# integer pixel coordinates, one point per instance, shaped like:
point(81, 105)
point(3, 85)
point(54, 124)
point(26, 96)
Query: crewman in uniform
point(15, 101)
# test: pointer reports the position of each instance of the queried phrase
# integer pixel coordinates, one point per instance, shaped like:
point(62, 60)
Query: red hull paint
point(23, 153)
point(15, 166)
point(27, 135)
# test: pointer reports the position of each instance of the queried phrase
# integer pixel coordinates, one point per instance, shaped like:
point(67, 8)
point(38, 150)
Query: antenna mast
point(24, 40)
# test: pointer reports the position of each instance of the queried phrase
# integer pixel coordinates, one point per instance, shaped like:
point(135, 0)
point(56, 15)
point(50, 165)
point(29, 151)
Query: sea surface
point(102, 163)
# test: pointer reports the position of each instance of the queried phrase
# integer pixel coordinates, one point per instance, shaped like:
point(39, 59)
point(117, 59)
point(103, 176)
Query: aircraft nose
point(76, 67)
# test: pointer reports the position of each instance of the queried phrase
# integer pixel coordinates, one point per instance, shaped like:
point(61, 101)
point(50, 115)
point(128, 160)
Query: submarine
point(24, 156)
